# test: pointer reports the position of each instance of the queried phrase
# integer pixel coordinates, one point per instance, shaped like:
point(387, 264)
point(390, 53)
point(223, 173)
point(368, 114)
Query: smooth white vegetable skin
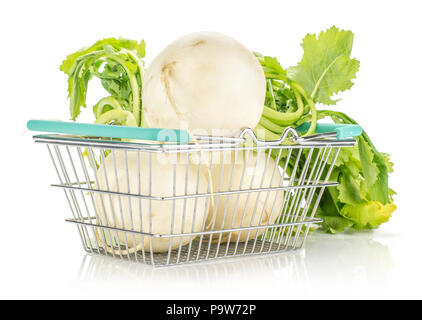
point(248, 170)
point(122, 213)
point(205, 82)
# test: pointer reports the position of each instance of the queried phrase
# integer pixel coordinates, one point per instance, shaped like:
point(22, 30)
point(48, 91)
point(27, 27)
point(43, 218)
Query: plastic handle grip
point(109, 131)
point(343, 131)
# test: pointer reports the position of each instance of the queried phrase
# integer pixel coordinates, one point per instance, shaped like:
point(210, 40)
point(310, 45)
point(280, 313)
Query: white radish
point(243, 171)
point(205, 82)
point(158, 217)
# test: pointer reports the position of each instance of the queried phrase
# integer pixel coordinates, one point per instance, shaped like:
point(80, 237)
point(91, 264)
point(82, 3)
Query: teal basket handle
point(343, 131)
point(109, 131)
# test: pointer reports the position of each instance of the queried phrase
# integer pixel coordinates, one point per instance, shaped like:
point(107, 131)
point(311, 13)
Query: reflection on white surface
point(102, 268)
point(354, 260)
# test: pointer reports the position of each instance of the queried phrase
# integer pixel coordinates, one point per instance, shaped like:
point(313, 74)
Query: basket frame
point(290, 141)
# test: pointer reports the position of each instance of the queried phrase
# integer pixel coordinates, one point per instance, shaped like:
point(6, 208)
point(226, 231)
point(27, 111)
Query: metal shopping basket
point(161, 197)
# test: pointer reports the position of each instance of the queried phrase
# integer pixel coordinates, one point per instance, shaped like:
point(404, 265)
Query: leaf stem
point(314, 117)
point(123, 117)
point(283, 118)
point(268, 124)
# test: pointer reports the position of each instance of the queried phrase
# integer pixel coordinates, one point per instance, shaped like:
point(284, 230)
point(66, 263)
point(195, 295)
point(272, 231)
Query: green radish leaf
point(369, 167)
point(375, 172)
point(387, 161)
point(326, 67)
point(272, 64)
point(336, 224)
point(345, 156)
point(368, 214)
point(328, 211)
point(349, 189)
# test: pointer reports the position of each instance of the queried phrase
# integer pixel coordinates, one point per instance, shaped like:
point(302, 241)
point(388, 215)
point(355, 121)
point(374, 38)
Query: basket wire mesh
point(167, 204)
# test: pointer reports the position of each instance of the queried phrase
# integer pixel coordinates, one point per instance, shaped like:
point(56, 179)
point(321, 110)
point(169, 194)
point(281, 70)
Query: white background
point(41, 255)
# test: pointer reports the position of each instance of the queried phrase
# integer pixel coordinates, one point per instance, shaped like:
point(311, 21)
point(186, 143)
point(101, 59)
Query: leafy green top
point(362, 198)
point(118, 64)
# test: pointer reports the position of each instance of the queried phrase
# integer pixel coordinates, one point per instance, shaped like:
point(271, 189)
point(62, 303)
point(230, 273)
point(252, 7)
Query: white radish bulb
point(205, 82)
point(159, 217)
point(243, 171)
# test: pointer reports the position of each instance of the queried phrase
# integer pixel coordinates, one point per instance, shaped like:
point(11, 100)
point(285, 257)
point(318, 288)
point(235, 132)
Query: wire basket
point(177, 199)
